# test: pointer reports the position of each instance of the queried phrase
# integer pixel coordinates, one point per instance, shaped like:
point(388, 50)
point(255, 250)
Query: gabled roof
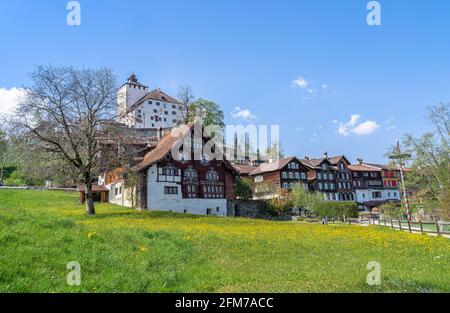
point(167, 142)
point(165, 145)
point(315, 163)
point(385, 166)
point(364, 168)
point(268, 167)
point(155, 94)
point(336, 159)
point(243, 169)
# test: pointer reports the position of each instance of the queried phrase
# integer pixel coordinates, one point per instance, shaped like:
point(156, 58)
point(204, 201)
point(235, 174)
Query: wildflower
point(142, 248)
point(91, 234)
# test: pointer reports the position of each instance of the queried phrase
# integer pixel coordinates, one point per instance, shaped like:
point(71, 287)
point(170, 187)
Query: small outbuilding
point(100, 193)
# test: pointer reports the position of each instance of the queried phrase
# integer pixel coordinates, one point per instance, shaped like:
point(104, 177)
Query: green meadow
point(124, 250)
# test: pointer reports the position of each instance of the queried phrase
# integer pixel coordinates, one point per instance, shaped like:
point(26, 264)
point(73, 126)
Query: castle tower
point(128, 94)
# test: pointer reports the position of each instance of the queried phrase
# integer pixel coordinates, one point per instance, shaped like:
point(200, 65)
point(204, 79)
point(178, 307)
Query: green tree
point(282, 202)
point(303, 199)
point(244, 189)
point(208, 111)
point(429, 160)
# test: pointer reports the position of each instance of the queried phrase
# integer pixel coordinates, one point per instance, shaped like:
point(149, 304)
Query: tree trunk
point(90, 209)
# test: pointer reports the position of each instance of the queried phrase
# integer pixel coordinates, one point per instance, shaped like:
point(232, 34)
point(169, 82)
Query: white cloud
point(245, 114)
point(9, 98)
point(352, 126)
point(300, 82)
point(324, 86)
point(366, 128)
point(390, 128)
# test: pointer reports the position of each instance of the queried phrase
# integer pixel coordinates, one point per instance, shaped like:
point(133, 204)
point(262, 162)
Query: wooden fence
point(438, 228)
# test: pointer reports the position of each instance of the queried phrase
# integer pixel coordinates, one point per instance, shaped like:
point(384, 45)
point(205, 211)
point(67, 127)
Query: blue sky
point(308, 66)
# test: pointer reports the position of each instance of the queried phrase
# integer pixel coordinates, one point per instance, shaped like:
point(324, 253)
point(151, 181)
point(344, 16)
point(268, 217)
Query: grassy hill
point(122, 250)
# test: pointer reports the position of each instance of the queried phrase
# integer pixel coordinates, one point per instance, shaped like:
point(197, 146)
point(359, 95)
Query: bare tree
point(186, 97)
point(61, 114)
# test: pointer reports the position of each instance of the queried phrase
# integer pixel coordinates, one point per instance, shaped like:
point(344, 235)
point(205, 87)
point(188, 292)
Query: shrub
point(337, 209)
point(244, 188)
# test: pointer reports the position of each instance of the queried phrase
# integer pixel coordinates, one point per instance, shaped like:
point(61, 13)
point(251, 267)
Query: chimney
point(325, 155)
point(360, 161)
point(306, 157)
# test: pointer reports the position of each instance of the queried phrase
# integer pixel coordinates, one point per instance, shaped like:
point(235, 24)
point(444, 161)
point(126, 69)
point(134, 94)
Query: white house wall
point(158, 201)
point(124, 198)
point(365, 195)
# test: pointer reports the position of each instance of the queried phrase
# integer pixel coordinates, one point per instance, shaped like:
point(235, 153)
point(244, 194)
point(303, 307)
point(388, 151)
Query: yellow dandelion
point(142, 248)
point(91, 234)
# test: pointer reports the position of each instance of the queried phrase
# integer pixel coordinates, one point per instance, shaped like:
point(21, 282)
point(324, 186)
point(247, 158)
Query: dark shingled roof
point(271, 166)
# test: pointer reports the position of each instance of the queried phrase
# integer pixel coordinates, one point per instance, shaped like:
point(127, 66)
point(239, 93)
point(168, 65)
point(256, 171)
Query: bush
point(337, 210)
point(243, 188)
point(390, 209)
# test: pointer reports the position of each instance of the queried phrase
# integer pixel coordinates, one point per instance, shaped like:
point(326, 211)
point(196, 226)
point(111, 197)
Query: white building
point(139, 107)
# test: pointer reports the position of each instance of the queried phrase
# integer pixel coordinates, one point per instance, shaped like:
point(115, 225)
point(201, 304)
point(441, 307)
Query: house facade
point(183, 186)
point(344, 180)
point(284, 174)
point(369, 186)
point(322, 177)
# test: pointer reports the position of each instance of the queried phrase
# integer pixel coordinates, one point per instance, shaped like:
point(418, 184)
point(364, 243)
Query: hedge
point(337, 209)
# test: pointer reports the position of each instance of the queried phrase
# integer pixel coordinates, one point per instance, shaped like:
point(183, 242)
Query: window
point(284, 175)
point(319, 175)
point(259, 179)
point(342, 166)
point(291, 175)
point(320, 186)
point(174, 106)
point(155, 111)
point(190, 173)
point(212, 175)
point(150, 102)
point(325, 176)
point(331, 176)
point(376, 194)
point(170, 190)
point(158, 104)
point(325, 167)
point(394, 183)
point(164, 105)
point(297, 175)
point(303, 175)
point(285, 186)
